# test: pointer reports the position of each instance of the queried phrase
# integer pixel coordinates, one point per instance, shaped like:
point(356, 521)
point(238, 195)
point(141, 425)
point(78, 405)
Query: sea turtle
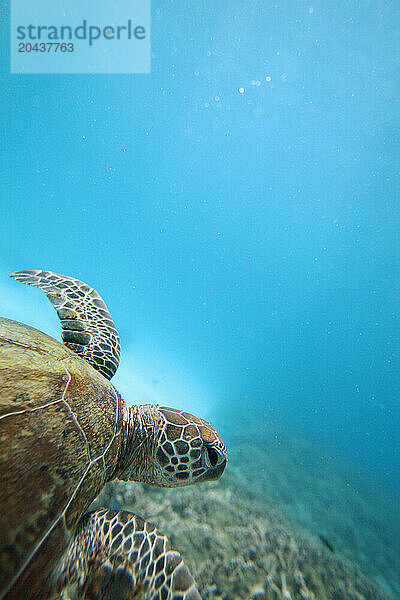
point(64, 432)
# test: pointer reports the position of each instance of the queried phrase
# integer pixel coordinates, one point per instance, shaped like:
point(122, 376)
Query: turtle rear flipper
point(116, 555)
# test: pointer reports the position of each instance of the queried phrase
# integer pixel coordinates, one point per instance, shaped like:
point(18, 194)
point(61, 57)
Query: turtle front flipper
point(88, 329)
point(116, 555)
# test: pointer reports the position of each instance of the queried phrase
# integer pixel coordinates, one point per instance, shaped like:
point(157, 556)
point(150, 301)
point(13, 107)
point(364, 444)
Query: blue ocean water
point(237, 209)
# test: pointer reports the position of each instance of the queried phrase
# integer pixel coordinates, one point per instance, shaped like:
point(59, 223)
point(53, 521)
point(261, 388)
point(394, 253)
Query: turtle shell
point(60, 424)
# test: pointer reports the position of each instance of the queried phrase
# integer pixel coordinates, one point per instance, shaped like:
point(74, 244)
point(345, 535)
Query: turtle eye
point(210, 456)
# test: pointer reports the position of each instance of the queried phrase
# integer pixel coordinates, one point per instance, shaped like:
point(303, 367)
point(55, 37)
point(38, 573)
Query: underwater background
point(238, 210)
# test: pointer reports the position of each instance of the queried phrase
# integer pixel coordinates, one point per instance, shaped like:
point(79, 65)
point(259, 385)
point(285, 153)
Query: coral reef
point(239, 544)
point(348, 510)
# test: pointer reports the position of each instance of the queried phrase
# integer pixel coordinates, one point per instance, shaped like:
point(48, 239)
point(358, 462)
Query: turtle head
point(170, 448)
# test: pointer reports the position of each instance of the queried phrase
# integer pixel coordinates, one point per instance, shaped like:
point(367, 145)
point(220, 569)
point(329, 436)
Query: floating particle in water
point(268, 78)
point(241, 90)
point(216, 98)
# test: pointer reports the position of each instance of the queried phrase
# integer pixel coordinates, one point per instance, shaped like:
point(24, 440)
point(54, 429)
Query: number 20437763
point(46, 47)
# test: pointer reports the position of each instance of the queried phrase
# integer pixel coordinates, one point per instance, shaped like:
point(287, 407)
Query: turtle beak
point(213, 473)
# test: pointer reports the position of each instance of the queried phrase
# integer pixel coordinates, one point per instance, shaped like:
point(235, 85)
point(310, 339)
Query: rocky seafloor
point(284, 522)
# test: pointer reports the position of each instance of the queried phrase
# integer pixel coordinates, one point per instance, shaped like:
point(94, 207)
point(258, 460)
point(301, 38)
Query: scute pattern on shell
point(60, 424)
point(88, 329)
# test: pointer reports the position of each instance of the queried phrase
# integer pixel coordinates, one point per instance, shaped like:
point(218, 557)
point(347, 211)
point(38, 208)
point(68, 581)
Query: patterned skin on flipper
point(88, 328)
point(115, 555)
